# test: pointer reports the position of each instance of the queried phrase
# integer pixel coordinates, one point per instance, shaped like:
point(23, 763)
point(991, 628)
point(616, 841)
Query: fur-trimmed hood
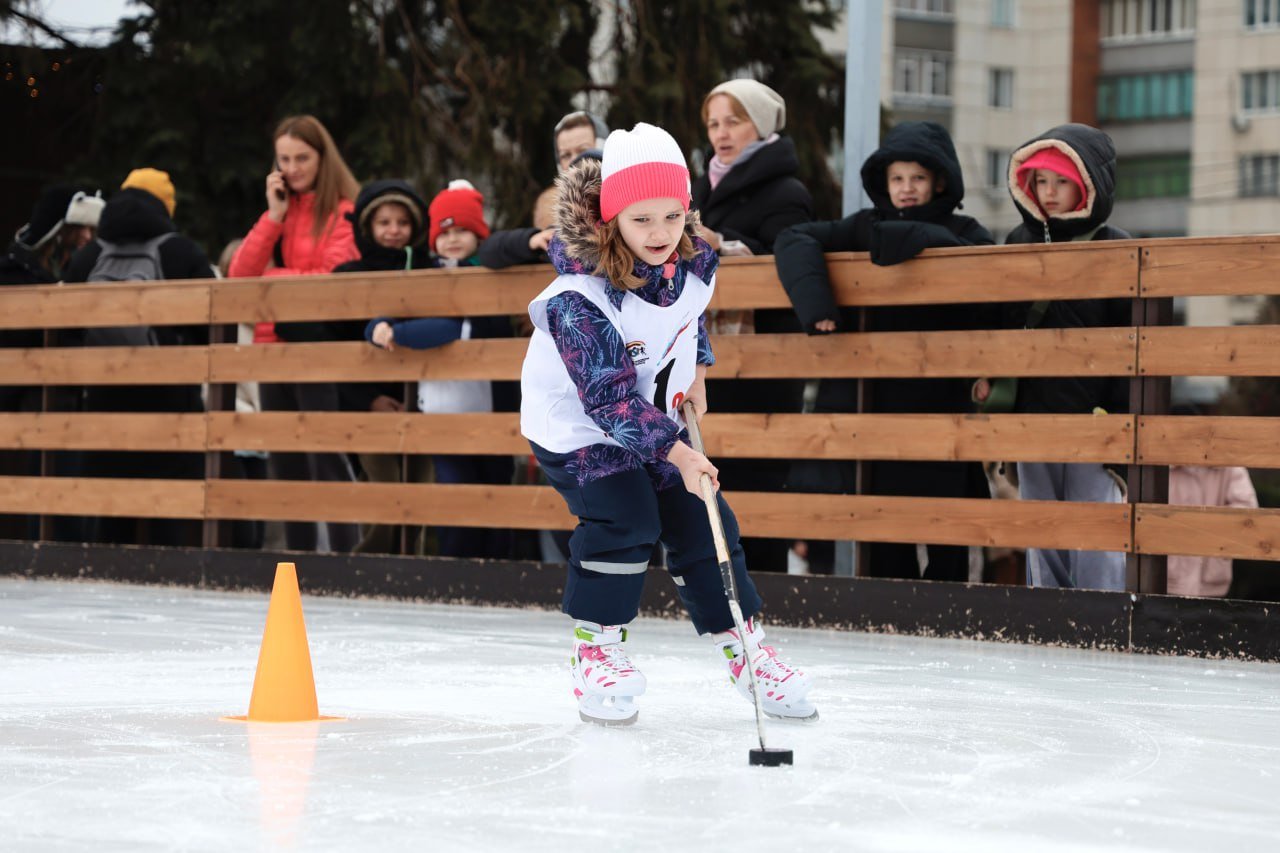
point(577, 216)
point(1094, 156)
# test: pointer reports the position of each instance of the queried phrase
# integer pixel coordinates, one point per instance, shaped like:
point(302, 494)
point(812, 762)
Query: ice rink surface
point(462, 735)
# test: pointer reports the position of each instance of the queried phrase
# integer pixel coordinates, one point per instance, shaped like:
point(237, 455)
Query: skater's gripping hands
point(690, 463)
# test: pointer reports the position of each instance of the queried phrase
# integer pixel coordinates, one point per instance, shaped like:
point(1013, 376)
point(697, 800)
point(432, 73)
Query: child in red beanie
point(456, 229)
point(457, 224)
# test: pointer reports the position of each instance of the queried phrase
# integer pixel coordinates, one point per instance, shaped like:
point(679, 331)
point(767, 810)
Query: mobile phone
point(280, 194)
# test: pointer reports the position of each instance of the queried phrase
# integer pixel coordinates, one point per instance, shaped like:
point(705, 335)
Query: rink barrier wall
point(1148, 272)
point(1104, 621)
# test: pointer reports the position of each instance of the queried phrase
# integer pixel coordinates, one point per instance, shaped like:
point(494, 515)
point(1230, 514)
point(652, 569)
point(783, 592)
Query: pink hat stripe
point(643, 181)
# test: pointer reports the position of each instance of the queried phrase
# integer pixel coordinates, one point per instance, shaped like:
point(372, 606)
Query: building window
point(1259, 175)
point(1161, 96)
point(925, 8)
point(1260, 91)
point(1002, 13)
point(1000, 88)
point(1134, 20)
point(997, 168)
point(1261, 14)
point(922, 75)
point(1162, 176)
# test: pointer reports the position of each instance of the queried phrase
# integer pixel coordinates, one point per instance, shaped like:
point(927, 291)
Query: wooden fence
point(1149, 272)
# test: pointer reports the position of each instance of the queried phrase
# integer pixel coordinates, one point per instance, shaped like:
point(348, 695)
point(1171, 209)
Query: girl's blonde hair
point(334, 181)
point(618, 263)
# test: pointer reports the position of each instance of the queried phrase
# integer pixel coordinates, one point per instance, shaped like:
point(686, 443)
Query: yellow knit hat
point(155, 182)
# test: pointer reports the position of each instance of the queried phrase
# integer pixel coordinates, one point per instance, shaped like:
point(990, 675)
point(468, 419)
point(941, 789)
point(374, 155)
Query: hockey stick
point(763, 756)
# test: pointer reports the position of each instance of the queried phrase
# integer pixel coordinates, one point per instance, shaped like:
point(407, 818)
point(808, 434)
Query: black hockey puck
point(770, 757)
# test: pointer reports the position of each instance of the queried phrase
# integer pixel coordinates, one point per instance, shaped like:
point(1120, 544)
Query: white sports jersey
point(455, 396)
point(662, 343)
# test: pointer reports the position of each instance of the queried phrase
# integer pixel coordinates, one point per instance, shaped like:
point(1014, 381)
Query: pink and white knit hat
point(642, 163)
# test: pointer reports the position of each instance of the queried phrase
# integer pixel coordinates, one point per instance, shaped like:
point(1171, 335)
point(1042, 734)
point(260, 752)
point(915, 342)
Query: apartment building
point(1235, 163)
point(993, 72)
point(1188, 89)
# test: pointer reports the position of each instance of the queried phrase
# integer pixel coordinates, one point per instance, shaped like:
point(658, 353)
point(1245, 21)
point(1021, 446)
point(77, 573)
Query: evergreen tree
point(668, 56)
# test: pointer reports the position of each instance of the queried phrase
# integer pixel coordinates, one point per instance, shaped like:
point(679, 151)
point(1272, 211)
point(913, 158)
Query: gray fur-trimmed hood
point(577, 216)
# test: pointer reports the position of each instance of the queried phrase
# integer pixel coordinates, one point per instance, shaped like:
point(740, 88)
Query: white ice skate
point(605, 681)
point(783, 688)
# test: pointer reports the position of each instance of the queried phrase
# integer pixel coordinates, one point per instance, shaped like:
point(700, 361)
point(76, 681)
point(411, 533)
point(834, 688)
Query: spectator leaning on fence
point(390, 223)
point(457, 225)
point(575, 135)
point(915, 183)
point(748, 194)
point(306, 231)
point(1063, 184)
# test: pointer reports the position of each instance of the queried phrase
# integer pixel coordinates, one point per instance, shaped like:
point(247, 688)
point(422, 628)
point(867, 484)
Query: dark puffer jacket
point(359, 396)
point(135, 216)
point(892, 236)
point(757, 199)
point(1095, 157)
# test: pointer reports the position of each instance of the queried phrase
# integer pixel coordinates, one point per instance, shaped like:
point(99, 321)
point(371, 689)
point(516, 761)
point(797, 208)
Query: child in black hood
point(396, 222)
point(915, 183)
point(1063, 184)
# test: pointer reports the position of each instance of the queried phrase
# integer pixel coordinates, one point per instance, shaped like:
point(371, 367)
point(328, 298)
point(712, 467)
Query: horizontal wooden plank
point(1173, 440)
point(105, 366)
point(474, 291)
point(357, 362)
point(1035, 352)
point(1252, 534)
point(102, 496)
point(1226, 267)
point(944, 521)
point(1210, 351)
point(972, 274)
point(1023, 352)
point(519, 507)
point(938, 437)
point(962, 438)
point(102, 431)
point(481, 433)
point(471, 291)
point(988, 274)
point(62, 306)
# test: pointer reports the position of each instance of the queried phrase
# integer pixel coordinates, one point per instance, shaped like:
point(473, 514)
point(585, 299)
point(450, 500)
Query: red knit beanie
point(1054, 160)
point(459, 206)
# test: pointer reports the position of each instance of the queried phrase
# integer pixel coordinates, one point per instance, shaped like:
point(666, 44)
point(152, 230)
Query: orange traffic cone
point(284, 689)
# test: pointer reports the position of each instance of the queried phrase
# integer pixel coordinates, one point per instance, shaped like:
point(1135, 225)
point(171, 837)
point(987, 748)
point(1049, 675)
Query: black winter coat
point(135, 216)
point(359, 396)
point(1071, 395)
point(757, 199)
point(503, 249)
point(892, 236)
point(20, 266)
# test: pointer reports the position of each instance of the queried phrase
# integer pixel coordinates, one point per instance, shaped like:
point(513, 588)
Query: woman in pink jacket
point(305, 231)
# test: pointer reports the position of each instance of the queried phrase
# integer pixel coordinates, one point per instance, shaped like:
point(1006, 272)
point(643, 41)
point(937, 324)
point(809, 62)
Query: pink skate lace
point(611, 659)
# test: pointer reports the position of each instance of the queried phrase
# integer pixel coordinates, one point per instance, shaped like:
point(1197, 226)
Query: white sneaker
point(783, 688)
point(605, 681)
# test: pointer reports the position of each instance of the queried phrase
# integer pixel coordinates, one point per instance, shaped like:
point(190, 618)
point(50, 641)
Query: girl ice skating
point(619, 343)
